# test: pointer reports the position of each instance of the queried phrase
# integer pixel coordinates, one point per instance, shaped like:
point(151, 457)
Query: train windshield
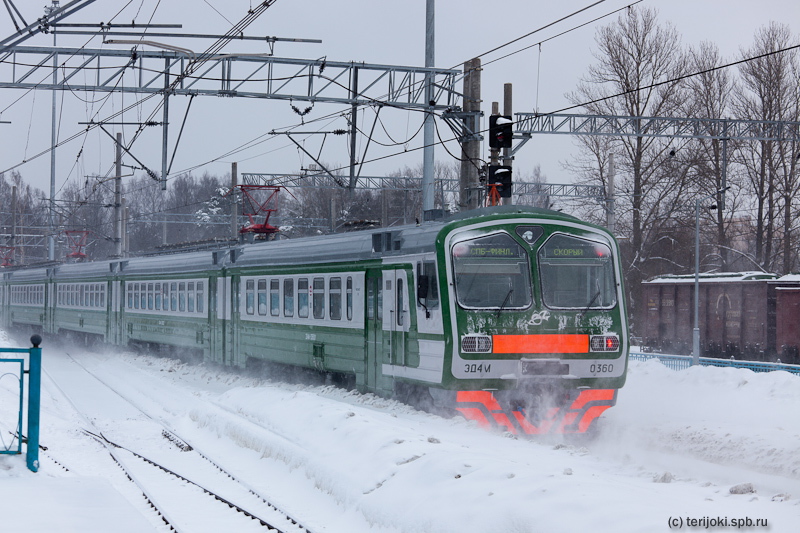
point(577, 274)
point(492, 272)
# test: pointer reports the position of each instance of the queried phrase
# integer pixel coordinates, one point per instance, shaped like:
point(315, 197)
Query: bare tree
point(709, 96)
point(639, 64)
point(769, 91)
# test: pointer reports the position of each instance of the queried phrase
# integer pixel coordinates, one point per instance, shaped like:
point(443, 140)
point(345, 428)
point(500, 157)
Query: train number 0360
point(603, 368)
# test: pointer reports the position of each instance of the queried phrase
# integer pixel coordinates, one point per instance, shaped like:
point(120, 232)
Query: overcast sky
point(373, 31)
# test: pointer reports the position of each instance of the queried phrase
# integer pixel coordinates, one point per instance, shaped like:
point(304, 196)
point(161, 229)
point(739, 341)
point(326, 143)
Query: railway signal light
point(500, 176)
point(500, 131)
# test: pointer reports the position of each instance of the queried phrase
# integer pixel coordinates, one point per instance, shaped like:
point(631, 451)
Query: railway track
point(187, 488)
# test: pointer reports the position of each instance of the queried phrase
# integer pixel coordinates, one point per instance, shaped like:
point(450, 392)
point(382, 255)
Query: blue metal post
point(34, 404)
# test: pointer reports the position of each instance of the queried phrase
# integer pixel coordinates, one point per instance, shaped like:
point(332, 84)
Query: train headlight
point(476, 344)
point(604, 343)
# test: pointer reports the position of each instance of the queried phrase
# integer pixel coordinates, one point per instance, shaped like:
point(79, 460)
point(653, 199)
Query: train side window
point(150, 296)
point(400, 302)
point(157, 297)
point(165, 297)
point(302, 297)
point(427, 287)
point(182, 297)
point(379, 287)
point(250, 297)
point(262, 297)
point(349, 289)
point(135, 296)
point(335, 298)
point(319, 298)
point(143, 295)
point(288, 297)
point(190, 297)
point(200, 297)
point(173, 296)
point(102, 295)
point(130, 296)
point(274, 297)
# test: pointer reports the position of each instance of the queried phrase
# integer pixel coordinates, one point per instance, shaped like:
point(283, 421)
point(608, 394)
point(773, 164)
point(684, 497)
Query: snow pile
point(696, 443)
point(724, 416)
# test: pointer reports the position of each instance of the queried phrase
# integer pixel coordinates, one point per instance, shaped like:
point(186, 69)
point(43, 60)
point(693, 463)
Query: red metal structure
point(253, 206)
point(77, 242)
point(7, 256)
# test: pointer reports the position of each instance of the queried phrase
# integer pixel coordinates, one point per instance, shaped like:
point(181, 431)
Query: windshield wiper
point(505, 301)
point(591, 302)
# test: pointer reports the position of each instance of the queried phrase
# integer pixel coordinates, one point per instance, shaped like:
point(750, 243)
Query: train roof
point(713, 277)
point(339, 247)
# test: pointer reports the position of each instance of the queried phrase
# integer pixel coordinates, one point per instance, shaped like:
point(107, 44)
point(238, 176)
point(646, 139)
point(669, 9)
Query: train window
point(135, 296)
point(302, 297)
point(400, 301)
point(379, 301)
point(190, 297)
point(173, 296)
point(274, 297)
point(349, 298)
point(157, 297)
point(249, 297)
point(319, 298)
point(261, 297)
point(576, 273)
point(143, 295)
point(427, 287)
point(492, 272)
point(165, 297)
point(335, 298)
point(288, 297)
point(182, 297)
point(150, 296)
point(200, 297)
point(102, 295)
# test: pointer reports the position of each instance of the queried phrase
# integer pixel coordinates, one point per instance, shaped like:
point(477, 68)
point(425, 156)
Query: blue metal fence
point(681, 362)
point(34, 374)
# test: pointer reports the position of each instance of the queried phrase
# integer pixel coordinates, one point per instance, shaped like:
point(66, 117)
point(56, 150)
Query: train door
point(395, 316)
point(374, 325)
point(225, 302)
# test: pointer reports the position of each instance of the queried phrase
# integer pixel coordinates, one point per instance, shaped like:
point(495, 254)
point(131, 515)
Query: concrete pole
point(428, 154)
point(235, 200)
point(610, 194)
point(124, 233)
point(494, 153)
point(507, 110)
point(13, 215)
point(117, 198)
point(51, 239)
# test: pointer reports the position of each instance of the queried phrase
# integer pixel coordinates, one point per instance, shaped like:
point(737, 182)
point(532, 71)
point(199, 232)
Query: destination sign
point(565, 247)
point(494, 246)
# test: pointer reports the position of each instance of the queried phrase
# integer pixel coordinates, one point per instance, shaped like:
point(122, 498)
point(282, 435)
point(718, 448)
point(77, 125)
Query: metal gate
point(12, 372)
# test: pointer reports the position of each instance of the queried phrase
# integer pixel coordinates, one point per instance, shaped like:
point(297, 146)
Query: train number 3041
point(477, 368)
point(604, 368)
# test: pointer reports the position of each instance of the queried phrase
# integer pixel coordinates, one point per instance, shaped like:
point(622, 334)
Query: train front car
point(537, 318)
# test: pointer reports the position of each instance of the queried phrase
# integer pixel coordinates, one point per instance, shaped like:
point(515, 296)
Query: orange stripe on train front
point(540, 343)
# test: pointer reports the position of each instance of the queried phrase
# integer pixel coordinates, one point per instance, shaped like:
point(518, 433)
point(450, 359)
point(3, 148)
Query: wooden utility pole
point(469, 197)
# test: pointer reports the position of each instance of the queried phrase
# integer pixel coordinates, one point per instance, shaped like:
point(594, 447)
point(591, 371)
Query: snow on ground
point(673, 448)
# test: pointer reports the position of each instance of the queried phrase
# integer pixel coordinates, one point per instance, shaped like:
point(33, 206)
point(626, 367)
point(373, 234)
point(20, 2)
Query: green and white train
point(514, 316)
